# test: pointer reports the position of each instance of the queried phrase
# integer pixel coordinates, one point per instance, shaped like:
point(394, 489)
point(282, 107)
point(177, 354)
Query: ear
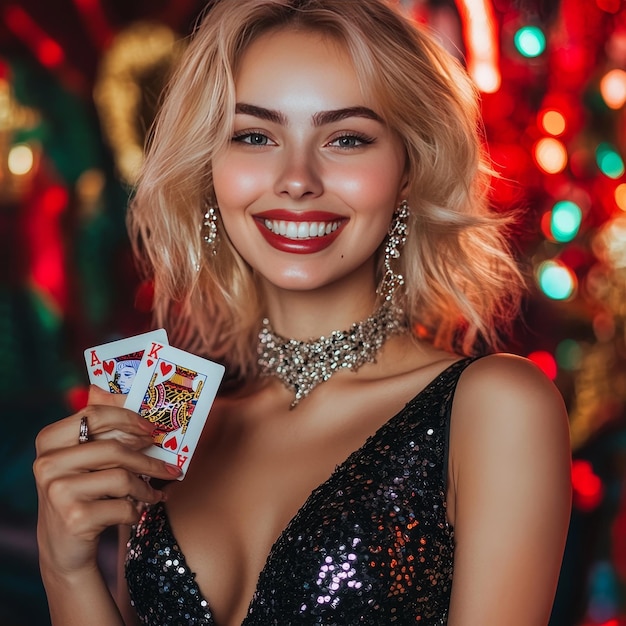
point(403, 191)
point(404, 183)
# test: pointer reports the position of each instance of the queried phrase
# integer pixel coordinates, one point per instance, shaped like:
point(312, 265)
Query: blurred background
point(79, 83)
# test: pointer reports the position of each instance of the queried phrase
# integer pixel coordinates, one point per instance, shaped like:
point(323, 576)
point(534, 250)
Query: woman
point(374, 475)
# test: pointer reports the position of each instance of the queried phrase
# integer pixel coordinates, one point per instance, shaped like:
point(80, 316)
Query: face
point(309, 182)
point(126, 377)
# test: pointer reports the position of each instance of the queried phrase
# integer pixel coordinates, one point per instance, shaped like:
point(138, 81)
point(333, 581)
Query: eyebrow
point(261, 113)
point(319, 119)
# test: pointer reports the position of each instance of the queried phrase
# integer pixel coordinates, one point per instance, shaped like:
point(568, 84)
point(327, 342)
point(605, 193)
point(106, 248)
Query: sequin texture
point(371, 545)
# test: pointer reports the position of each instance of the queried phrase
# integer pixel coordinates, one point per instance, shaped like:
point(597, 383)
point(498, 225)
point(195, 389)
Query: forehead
point(290, 64)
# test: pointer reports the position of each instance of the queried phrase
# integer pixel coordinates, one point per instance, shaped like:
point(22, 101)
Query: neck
point(306, 314)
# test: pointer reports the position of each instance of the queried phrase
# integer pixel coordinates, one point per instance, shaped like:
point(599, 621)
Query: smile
point(301, 230)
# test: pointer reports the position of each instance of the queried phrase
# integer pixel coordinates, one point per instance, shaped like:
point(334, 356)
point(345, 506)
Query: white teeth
point(301, 230)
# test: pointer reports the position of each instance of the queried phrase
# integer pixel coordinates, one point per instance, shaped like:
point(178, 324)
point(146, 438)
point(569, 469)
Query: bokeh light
point(556, 280)
point(587, 486)
point(546, 226)
point(530, 41)
point(613, 88)
point(20, 159)
point(603, 326)
point(481, 40)
point(48, 51)
point(550, 155)
point(569, 354)
point(54, 200)
point(565, 220)
point(609, 161)
point(487, 77)
point(620, 196)
point(552, 122)
point(609, 244)
point(545, 362)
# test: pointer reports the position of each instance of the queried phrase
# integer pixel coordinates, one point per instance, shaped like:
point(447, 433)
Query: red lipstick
point(298, 246)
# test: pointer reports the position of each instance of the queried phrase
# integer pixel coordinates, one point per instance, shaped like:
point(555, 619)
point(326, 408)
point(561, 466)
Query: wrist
point(57, 576)
point(80, 596)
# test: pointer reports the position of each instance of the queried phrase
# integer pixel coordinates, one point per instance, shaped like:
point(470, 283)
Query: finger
point(100, 396)
point(102, 421)
point(121, 511)
point(88, 519)
point(99, 455)
point(106, 484)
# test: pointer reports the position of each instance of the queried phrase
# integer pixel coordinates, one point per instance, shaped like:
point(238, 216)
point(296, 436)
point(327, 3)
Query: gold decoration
point(600, 392)
point(13, 118)
point(130, 79)
point(600, 384)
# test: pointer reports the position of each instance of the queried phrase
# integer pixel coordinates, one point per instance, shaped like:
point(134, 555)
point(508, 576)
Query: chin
point(295, 281)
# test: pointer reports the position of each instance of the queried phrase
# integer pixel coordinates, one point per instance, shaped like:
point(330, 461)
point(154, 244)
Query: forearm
point(79, 599)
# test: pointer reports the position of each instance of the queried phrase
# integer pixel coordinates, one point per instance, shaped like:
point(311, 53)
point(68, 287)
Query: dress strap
point(455, 374)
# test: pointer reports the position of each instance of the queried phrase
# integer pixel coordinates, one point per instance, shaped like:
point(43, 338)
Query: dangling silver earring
point(396, 238)
point(210, 232)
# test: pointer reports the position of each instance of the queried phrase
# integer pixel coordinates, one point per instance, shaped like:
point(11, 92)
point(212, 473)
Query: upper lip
point(299, 216)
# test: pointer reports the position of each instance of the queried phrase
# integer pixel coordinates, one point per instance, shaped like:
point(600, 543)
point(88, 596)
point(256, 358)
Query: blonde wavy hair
point(463, 285)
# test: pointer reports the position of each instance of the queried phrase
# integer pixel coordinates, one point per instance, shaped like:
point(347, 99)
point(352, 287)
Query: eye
point(351, 141)
point(253, 139)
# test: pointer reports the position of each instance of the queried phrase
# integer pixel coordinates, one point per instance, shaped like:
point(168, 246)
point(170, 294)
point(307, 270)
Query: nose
point(299, 175)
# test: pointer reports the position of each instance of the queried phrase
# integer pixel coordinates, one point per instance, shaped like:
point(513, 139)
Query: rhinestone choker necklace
point(302, 365)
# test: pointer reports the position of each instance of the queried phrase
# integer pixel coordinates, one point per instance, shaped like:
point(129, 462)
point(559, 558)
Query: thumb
point(99, 396)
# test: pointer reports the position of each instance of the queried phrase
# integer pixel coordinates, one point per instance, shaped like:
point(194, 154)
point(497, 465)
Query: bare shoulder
point(507, 388)
point(506, 408)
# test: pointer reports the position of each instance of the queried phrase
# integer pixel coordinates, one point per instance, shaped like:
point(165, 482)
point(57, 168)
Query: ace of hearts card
point(113, 366)
point(174, 391)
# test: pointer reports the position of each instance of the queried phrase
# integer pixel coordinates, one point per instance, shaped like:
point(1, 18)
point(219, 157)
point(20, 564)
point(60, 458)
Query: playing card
point(113, 366)
point(174, 390)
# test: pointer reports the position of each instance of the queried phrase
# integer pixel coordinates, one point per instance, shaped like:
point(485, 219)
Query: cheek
point(377, 177)
point(371, 187)
point(235, 181)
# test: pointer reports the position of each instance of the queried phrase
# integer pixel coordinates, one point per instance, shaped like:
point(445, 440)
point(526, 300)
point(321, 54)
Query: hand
point(83, 489)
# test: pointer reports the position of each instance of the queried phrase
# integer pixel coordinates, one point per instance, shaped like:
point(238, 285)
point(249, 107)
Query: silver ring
point(83, 433)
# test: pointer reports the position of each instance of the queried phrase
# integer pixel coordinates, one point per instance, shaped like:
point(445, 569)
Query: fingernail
point(173, 469)
point(140, 507)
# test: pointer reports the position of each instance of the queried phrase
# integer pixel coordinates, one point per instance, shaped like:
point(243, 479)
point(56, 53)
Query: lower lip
point(297, 246)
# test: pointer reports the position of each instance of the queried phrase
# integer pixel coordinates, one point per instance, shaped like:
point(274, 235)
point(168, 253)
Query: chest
point(371, 538)
point(249, 482)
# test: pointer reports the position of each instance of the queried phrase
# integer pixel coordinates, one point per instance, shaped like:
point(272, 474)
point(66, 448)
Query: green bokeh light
point(609, 161)
point(569, 354)
point(565, 220)
point(556, 281)
point(530, 41)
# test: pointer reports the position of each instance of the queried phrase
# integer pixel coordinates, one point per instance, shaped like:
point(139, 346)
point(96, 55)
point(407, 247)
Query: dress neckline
point(166, 527)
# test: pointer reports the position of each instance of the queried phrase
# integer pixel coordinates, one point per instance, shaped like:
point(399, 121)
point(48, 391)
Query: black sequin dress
point(371, 545)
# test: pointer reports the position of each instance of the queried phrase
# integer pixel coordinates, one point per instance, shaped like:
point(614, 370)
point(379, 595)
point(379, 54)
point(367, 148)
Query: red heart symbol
point(166, 368)
point(97, 372)
point(172, 444)
point(109, 366)
point(185, 449)
point(149, 362)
